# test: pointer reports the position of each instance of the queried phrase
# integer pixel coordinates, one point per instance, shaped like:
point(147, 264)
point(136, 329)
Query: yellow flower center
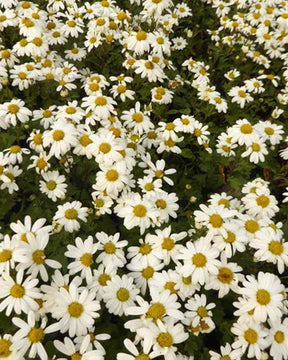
point(187, 280)
point(121, 89)
point(231, 237)
point(246, 129)
point(85, 140)
point(71, 214)
point(112, 175)
point(58, 135)
point(75, 309)
point(202, 311)
point(159, 173)
point(142, 357)
point(149, 65)
point(156, 311)
point(103, 279)
point(225, 357)
point(94, 86)
point(105, 148)
point(100, 101)
point(197, 132)
point(138, 117)
point(41, 163)
point(225, 275)
point(224, 202)
point(252, 226)
point(36, 335)
point(38, 257)
point(76, 356)
point(123, 294)
point(86, 259)
point(199, 260)
point(13, 108)
point(279, 337)
point(170, 285)
point(71, 23)
point(263, 297)
point(263, 201)
point(70, 110)
point(15, 149)
point(256, 147)
point(275, 247)
point(242, 93)
point(5, 255)
point(160, 203)
point(148, 272)
point(168, 243)
point(5, 348)
point(269, 131)
point(140, 210)
point(17, 291)
point(165, 339)
point(149, 186)
point(216, 220)
point(169, 126)
point(145, 249)
point(51, 185)
point(251, 336)
point(99, 203)
point(37, 41)
point(141, 35)
point(110, 248)
point(37, 139)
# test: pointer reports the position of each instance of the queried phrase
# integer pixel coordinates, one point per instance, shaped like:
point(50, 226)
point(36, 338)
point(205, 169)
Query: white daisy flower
point(68, 215)
point(53, 185)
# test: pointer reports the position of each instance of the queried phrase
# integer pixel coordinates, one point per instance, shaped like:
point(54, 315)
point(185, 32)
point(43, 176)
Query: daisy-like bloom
point(214, 218)
point(30, 337)
point(165, 203)
point(240, 95)
point(101, 277)
point(11, 173)
point(233, 242)
point(12, 111)
point(148, 184)
point(15, 154)
point(79, 350)
point(226, 352)
point(139, 42)
point(102, 106)
point(135, 352)
point(263, 295)
point(53, 185)
point(137, 120)
point(256, 151)
point(144, 272)
point(122, 91)
point(19, 295)
point(226, 279)
point(164, 244)
point(82, 254)
point(157, 170)
point(119, 294)
point(163, 305)
point(60, 138)
point(31, 255)
point(6, 342)
point(243, 133)
point(261, 204)
point(101, 203)
point(106, 148)
point(70, 111)
point(112, 178)
point(75, 310)
point(269, 131)
point(200, 132)
point(271, 248)
point(25, 231)
point(162, 337)
point(7, 255)
point(161, 95)
point(232, 74)
point(143, 252)
point(150, 70)
point(111, 250)
point(251, 336)
point(277, 339)
point(68, 215)
point(138, 211)
point(94, 340)
point(199, 260)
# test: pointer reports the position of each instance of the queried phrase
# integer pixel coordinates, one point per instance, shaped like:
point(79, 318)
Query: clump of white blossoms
point(103, 110)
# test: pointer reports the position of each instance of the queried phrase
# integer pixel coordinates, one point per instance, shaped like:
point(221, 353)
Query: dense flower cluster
point(94, 144)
